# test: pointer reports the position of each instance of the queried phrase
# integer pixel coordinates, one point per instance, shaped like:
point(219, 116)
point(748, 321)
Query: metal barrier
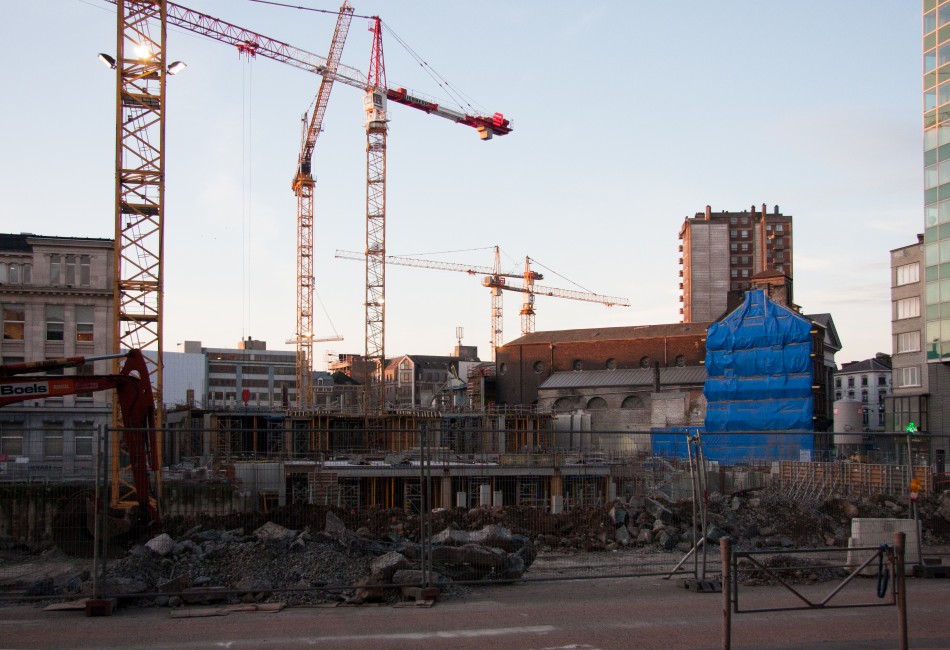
point(254, 510)
point(732, 571)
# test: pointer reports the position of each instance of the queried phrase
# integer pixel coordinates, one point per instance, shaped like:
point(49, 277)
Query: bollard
point(725, 551)
point(899, 587)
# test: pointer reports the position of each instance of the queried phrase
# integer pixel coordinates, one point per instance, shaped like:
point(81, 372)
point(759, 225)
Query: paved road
point(580, 615)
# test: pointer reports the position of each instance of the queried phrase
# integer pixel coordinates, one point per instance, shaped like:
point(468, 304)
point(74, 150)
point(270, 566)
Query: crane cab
point(374, 103)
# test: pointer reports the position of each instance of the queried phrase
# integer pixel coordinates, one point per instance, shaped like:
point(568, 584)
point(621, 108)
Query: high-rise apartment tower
point(720, 254)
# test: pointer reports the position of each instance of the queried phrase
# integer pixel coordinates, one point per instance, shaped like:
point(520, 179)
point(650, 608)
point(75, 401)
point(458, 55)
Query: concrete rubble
point(364, 557)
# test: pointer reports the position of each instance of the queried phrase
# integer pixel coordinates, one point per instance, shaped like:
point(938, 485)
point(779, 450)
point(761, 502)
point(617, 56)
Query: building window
point(744, 234)
point(14, 321)
point(679, 361)
point(70, 270)
point(55, 322)
point(850, 382)
point(562, 404)
point(15, 273)
point(778, 227)
point(84, 273)
point(745, 248)
point(907, 308)
point(733, 248)
point(11, 438)
point(850, 394)
point(644, 362)
point(632, 402)
point(611, 364)
point(864, 396)
point(908, 342)
point(837, 382)
point(909, 376)
point(84, 323)
point(908, 274)
point(54, 270)
point(85, 370)
point(596, 404)
point(538, 367)
point(882, 380)
point(864, 380)
point(83, 436)
point(578, 365)
point(837, 394)
point(52, 439)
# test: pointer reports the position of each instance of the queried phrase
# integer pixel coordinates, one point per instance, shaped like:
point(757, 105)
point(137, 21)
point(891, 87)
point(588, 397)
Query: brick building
point(525, 363)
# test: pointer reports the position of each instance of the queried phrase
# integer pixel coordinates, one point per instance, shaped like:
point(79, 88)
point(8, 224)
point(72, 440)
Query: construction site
point(573, 453)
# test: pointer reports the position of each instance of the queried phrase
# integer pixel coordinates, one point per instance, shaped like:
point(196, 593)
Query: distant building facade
point(56, 298)
point(869, 382)
point(721, 252)
point(249, 374)
point(909, 348)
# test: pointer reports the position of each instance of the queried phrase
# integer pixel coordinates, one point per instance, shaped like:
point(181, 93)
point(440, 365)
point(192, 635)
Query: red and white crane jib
point(250, 43)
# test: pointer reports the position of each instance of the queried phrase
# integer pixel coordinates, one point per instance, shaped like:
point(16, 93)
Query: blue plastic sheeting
point(759, 370)
point(735, 448)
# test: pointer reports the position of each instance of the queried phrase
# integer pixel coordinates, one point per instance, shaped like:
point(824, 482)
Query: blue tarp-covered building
point(758, 380)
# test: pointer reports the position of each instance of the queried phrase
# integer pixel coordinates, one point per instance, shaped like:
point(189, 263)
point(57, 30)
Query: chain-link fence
point(260, 511)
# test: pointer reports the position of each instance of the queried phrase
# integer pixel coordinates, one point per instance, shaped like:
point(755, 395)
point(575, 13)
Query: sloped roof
point(632, 377)
point(868, 365)
point(612, 333)
point(828, 323)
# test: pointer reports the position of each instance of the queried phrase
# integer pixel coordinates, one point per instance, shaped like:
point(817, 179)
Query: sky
point(628, 117)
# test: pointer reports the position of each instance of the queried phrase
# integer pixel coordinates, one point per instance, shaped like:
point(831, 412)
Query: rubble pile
point(305, 554)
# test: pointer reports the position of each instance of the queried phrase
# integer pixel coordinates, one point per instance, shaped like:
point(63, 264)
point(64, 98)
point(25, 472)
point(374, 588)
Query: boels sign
point(38, 388)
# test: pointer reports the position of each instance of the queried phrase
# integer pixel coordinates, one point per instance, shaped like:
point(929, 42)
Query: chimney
point(708, 212)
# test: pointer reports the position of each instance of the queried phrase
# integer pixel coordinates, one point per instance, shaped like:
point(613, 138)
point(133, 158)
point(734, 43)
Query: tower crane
point(497, 281)
point(303, 185)
point(140, 134)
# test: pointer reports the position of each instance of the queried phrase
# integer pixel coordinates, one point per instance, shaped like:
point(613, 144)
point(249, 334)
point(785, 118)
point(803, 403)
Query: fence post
point(725, 552)
point(899, 586)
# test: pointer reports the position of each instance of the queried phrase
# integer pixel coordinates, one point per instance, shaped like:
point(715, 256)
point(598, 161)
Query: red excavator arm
point(133, 392)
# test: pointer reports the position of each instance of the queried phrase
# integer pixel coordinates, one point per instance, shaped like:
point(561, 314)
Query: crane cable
point(460, 98)
point(247, 87)
point(534, 261)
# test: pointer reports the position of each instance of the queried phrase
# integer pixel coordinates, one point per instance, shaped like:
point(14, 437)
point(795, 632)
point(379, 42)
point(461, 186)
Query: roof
point(868, 365)
point(21, 242)
point(425, 361)
point(613, 333)
point(676, 376)
point(828, 323)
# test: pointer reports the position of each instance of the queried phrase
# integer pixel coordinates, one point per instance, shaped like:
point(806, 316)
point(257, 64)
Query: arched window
point(538, 367)
point(645, 362)
point(680, 361)
point(596, 404)
point(611, 364)
point(632, 402)
point(578, 365)
point(562, 404)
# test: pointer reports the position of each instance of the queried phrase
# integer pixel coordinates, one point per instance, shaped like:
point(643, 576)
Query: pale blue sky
point(628, 117)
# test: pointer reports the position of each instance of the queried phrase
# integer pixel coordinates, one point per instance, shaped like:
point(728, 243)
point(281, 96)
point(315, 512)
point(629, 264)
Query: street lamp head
point(107, 60)
point(177, 67)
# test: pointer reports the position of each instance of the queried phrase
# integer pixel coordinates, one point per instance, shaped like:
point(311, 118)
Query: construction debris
point(368, 556)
